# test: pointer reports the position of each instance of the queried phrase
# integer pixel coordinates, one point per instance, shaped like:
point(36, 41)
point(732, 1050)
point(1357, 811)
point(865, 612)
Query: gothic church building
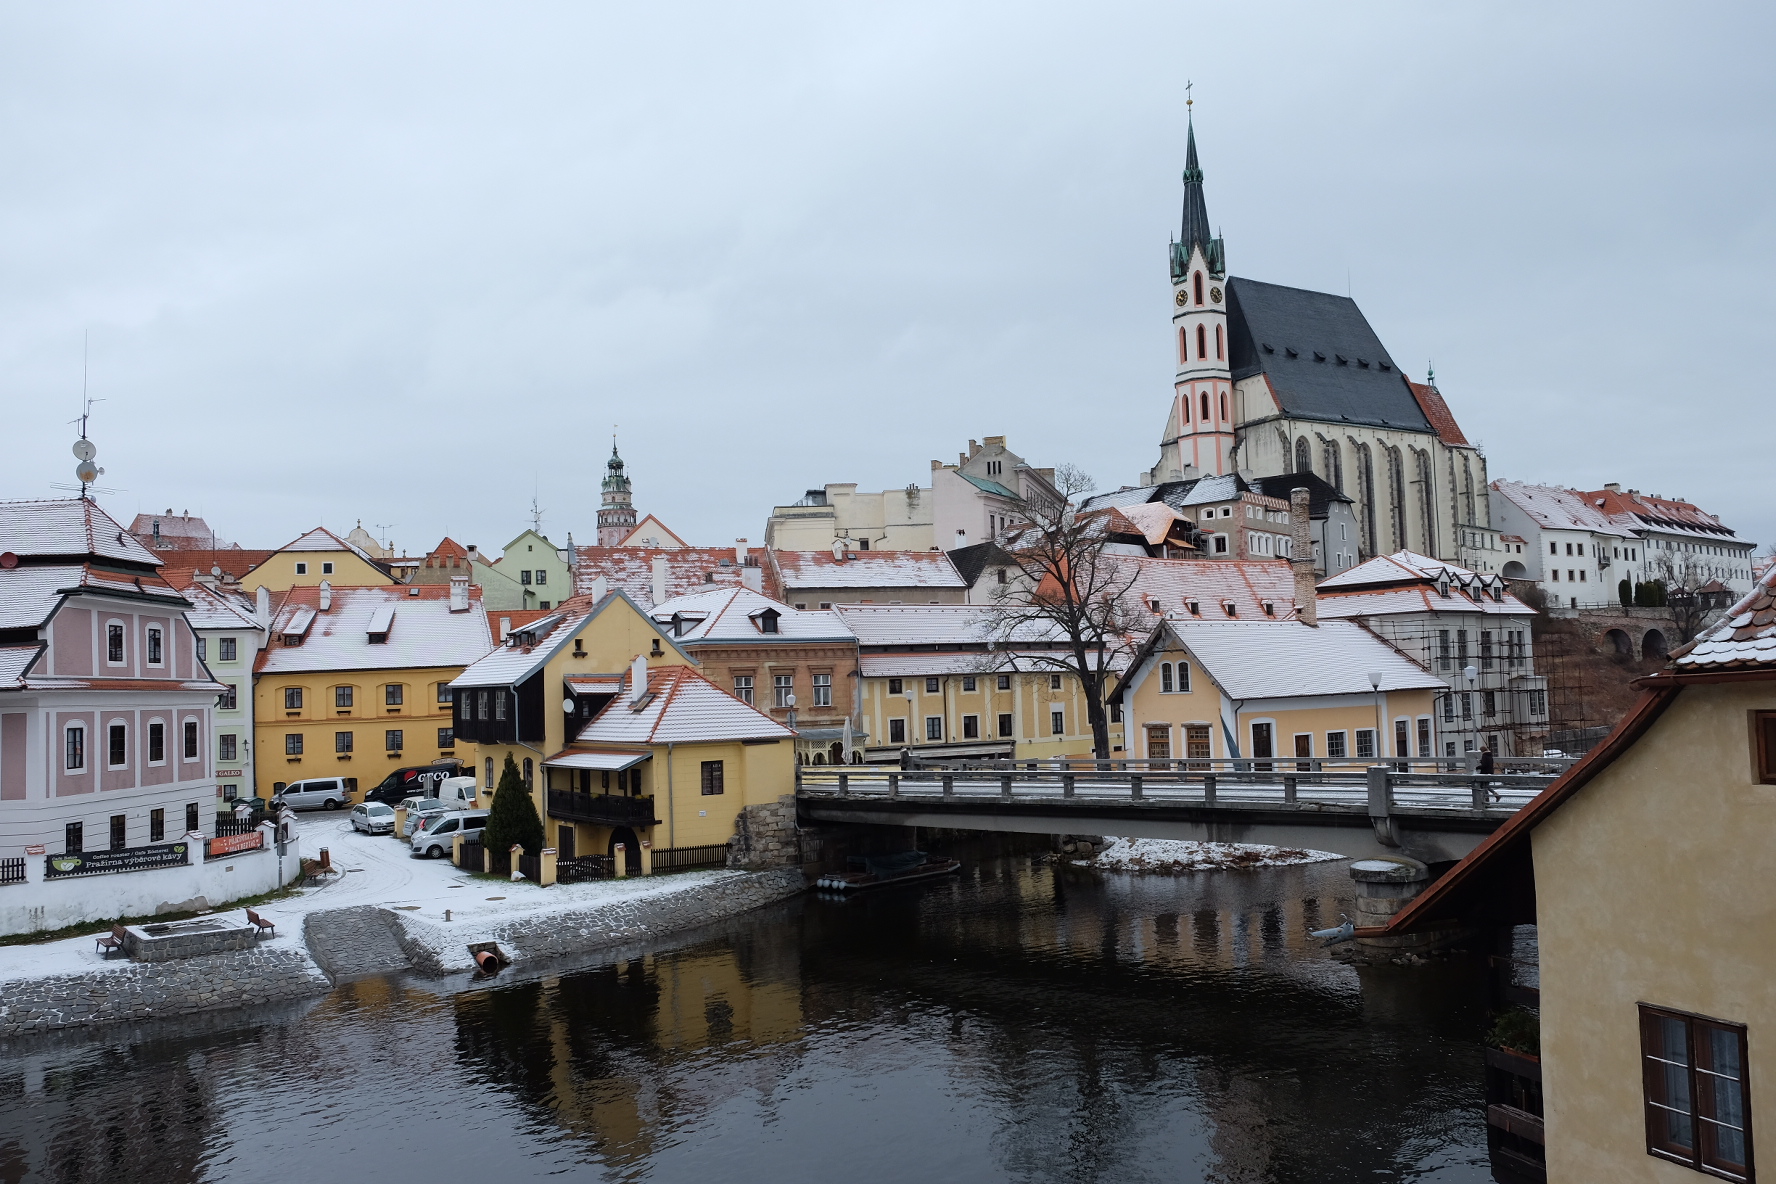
point(1274, 380)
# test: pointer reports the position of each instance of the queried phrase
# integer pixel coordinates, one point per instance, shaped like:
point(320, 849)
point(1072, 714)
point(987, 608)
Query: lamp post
point(1380, 713)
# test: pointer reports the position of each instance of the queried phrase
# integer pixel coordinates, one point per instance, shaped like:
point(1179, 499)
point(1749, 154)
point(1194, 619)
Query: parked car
point(419, 809)
point(316, 793)
point(439, 836)
point(414, 779)
point(373, 818)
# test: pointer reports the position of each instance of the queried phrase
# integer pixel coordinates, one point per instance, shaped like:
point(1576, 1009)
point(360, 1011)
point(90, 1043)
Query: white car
point(373, 818)
point(420, 809)
point(437, 838)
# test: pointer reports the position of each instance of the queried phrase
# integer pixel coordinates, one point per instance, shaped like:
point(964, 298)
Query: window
point(391, 740)
point(190, 739)
point(524, 577)
point(1556, 574)
point(292, 698)
point(1205, 406)
point(327, 567)
point(968, 682)
point(302, 569)
point(119, 746)
point(1005, 728)
point(342, 696)
point(1335, 749)
point(226, 746)
point(1467, 701)
point(542, 576)
point(114, 644)
point(74, 758)
point(1488, 702)
point(1159, 742)
point(528, 772)
point(1223, 404)
point(203, 650)
point(897, 731)
point(1693, 1081)
point(1442, 649)
point(489, 771)
point(782, 690)
point(1581, 575)
point(446, 737)
point(932, 686)
point(1461, 644)
point(119, 832)
point(934, 727)
point(293, 744)
point(1365, 744)
point(1054, 682)
point(1183, 678)
point(393, 694)
point(1763, 725)
point(1165, 678)
point(1196, 742)
point(499, 705)
point(229, 699)
point(1553, 548)
point(743, 687)
point(971, 727)
point(823, 690)
point(1057, 722)
point(342, 741)
point(444, 695)
point(1199, 287)
point(1005, 682)
point(73, 840)
point(1218, 341)
point(1402, 738)
point(1424, 736)
point(156, 654)
point(895, 687)
point(1538, 702)
point(1486, 649)
point(712, 777)
point(1202, 341)
point(157, 825)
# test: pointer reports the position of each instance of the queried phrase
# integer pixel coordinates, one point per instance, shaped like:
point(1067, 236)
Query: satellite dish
point(567, 705)
point(87, 472)
point(84, 450)
point(216, 572)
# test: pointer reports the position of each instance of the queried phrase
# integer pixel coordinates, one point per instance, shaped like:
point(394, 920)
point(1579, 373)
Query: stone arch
point(1514, 571)
point(1334, 464)
point(631, 849)
point(1654, 645)
point(1619, 643)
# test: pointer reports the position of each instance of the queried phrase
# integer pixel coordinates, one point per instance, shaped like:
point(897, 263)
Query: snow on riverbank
point(1175, 856)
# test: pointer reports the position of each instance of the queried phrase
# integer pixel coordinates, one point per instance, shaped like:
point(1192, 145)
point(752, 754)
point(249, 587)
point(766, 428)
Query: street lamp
point(1380, 713)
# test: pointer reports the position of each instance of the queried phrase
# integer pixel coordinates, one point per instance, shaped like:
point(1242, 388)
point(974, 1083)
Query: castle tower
point(616, 516)
point(1199, 432)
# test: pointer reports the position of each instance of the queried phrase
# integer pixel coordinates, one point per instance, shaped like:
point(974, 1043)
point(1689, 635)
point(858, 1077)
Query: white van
point(437, 839)
point(458, 792)
point(318, 793)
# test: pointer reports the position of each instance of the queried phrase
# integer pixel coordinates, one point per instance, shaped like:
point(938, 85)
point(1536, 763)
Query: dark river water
point(1018, 1023)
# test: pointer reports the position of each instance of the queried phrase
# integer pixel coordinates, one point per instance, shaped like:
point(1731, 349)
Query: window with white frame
point(156, 646)
point(190, 737)
point(782, 689)
point(226, 746)
point(822, 690)
point(114, 643)
point(1335, 746)
point(1365, 744)
point(74, 749)
point(1057, 721)
point(117, 746)
point(226, 648)
point(743, 687)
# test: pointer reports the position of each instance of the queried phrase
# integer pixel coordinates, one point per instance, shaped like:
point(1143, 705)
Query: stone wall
point(765, 837)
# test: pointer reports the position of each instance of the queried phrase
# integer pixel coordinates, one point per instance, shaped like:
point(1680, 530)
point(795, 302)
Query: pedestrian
point(1486, 763)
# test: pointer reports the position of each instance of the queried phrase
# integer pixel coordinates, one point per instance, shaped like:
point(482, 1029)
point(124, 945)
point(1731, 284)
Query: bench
point(260, 924)
point(113, 941)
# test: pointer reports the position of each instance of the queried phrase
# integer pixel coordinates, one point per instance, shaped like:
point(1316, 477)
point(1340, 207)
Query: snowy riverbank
point(1176, 857)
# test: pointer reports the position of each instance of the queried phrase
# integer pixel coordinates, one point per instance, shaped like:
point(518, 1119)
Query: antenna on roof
point(85, 471)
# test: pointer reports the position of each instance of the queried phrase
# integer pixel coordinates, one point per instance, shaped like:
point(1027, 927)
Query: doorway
point(564, 840)
point(631, 849)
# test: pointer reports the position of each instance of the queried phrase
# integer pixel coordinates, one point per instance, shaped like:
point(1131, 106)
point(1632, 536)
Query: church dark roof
point(972, 561)
point(1322, 359)
point(1320, 494)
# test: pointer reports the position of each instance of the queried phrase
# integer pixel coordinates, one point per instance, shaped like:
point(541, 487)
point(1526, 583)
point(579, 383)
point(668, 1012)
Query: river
point(1020, 1022)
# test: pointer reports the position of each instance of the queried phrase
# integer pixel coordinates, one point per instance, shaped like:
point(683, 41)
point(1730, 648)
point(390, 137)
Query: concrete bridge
point(1421, 809)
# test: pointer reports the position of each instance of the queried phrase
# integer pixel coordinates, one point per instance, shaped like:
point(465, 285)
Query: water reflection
point(1018, 1023)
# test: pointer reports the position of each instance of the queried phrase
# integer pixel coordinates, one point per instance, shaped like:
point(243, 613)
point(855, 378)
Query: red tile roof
point(1430, 401)
point(631, 569)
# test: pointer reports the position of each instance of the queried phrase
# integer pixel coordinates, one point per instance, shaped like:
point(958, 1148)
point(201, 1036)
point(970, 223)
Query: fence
point(471, 856)
point(530, 867)
point(226, 824)
point(677, 859)
point(575, 869)
point(12, 871)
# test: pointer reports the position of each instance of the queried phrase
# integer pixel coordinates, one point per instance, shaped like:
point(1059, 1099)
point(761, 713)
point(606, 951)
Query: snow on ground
point(1170, 855)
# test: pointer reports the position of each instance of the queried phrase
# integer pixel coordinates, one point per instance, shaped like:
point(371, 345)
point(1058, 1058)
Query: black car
point(414, 779)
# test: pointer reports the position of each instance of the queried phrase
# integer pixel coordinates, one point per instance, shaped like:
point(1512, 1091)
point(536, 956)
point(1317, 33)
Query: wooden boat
point(880, 871)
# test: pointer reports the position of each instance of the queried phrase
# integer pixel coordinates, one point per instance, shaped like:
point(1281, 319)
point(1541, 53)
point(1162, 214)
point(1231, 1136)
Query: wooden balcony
point(601, 809)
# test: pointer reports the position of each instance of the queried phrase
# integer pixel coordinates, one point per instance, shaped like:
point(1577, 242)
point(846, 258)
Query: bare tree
point(1074, 592)
point(1683, 577)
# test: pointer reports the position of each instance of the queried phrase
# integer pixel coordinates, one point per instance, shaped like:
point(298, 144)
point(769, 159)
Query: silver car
point(420, 809)
point(317, 793)
point(373, 818)
point(438, 837)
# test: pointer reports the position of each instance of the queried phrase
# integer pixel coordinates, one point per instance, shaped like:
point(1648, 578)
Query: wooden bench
point(113, 941)
point(260, 924)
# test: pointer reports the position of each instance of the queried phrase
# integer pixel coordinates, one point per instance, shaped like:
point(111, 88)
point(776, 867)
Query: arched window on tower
point(1199, 287)
point(1303, 456)
point(1224, 405)
point(1202, 341)
point(1218, 353)
point(1205, 414)
point(1183, 346)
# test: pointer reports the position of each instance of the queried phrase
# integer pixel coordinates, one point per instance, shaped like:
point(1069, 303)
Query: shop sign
point(135, 859)
point(230, 844)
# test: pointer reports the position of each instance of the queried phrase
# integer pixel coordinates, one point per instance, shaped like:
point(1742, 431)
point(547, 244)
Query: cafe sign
point(134, 859)
point(231, 844)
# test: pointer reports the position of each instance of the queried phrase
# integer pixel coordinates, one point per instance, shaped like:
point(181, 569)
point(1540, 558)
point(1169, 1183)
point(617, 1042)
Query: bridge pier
point(1385, 885)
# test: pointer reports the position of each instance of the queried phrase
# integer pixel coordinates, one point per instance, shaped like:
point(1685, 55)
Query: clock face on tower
point(1215, 295)
point(1183, 298)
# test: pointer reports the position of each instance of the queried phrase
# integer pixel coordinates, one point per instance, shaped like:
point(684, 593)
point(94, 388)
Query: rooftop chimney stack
point(326, 596)
point(459, 594)
point(262, 607)
point(659, 579)
point(638, 678)
point(600, 588)
point(739, 552)
point(1301, 561)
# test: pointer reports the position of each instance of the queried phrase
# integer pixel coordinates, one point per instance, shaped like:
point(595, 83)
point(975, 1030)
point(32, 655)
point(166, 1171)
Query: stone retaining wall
point(765, 836)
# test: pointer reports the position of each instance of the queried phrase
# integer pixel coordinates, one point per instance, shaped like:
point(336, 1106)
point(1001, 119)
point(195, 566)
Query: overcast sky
point(410, 263)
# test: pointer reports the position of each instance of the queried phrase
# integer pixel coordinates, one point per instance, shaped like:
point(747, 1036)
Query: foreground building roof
point(679, 706)
point(1265, 660)
point(387, 627)
point(1743, 639)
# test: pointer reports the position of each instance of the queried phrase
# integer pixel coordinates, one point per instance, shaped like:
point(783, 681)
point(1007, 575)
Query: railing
point(677, 859)
point(603, 809)
point(575, 869)
point(12, 871)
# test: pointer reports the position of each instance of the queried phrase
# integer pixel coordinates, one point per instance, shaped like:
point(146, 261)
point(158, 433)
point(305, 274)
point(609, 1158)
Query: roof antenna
point(86, 471)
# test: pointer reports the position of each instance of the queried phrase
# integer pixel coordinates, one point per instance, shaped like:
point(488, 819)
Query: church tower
point(1199, 433)
point(616, 517)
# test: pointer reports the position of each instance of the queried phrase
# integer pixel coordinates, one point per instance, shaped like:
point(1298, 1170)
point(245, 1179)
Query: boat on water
point(879, 871)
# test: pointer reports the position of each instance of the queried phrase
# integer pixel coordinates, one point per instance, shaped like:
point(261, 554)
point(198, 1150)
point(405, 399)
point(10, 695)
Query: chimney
point(739, 552)
point(638, 678)
point(599, 588)
point(961, 539)
point(753, 577)
point(505, 628)
point(326, 596)
point(839, 550)
point(262, 607)
point(1613, 487)
point(459, 594)
point(659, 579)
point(1307, 608)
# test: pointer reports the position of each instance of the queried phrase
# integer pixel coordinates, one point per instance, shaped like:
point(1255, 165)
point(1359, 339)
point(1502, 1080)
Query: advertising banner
point(231, 844)
point(134, 859)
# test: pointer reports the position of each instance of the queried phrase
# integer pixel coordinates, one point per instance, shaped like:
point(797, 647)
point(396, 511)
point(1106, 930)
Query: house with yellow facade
point(1235, 689)
point(1642, 880)
point(316, 556)
point(355, 682)
point(618, 738)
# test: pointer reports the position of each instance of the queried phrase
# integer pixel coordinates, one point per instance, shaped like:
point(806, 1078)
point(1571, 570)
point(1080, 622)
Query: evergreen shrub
point(512, 818)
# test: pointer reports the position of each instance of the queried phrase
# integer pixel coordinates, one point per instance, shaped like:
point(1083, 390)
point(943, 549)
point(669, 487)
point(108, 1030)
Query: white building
point(1453, 622)
point(1572, 549)
point(105, 706)
point(231, 629)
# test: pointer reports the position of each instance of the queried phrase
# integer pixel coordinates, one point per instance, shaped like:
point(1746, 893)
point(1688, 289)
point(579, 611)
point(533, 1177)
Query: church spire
point(1195, 232)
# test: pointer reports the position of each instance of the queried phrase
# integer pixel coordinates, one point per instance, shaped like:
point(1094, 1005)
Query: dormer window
point(1230, 608)
point(1195, 607)
point(1270, 608)
point(1443, 587)
point(381, 621)
point(766, 619)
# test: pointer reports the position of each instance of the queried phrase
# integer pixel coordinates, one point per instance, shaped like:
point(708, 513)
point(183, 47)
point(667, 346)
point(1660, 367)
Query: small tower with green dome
point(616, 516)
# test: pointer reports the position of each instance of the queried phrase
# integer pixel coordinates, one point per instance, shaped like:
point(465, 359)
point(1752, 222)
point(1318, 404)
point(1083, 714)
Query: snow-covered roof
point(631, 569)
point(28, 595)
point(1117, 498)
point(1744, 638)
point(1222, 487)
point(1153, 521)
point(984, 663)
point(212, 608)
point(682, 707)
point(1274, 660)
point(732, 614)
point(423, 632)
point(1248, 583)
point(509, 664)
point(1422, 598)
point(1552, 508)
point(866, 569)
point(13, 661)
point(74, 527)
point(322, 539)
point(611, 762)
point(926, 624)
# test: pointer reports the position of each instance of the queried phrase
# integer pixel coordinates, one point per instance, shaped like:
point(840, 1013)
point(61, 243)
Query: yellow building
point(1254, 689)
point(316, 556)
point(1646, 871)
point(354, 682)
point(619, 739)
point(932, 684)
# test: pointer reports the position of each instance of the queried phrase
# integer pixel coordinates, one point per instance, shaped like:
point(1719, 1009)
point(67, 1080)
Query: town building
point(1684, 545)
point(1273, 380)
point(1250, 519)
point(823, 579)
point(654, 575)
point(166, 532)
point(1466, 629)
point(1230, 690)
point(1235, 590)
point(531, 572)
point(355, 680)
point(966, 503)
point(231, 631)
point(105, 706)
point(445, 562)
point(651, 532)
point(797, 666)
point(990, 572)
point(1644, 871)
point(316, 556)
point(936, 681)
point(616, 512)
